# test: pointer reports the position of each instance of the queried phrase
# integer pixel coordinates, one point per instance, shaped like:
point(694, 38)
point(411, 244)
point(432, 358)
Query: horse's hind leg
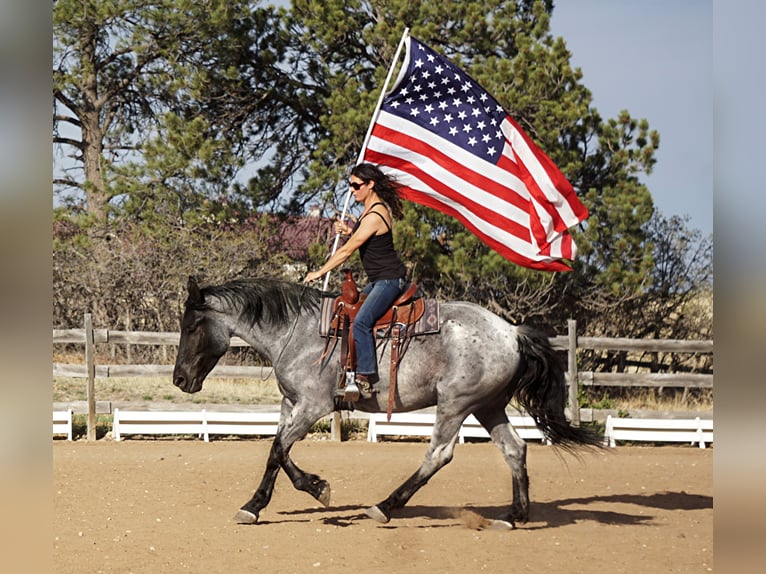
point(439, 453)
point(514, 449)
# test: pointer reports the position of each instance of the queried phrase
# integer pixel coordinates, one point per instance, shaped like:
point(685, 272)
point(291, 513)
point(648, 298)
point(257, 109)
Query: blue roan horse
point(474, 365)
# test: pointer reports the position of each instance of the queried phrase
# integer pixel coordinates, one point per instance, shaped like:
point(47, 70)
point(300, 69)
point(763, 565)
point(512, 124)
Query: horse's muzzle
point(185, 384)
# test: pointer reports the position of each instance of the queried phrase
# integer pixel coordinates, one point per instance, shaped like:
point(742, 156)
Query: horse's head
point(204, 340)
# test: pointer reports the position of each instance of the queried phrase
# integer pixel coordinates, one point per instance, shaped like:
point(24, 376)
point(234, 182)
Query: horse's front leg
point(295, 423)
point(249, 513)
point(315, 485)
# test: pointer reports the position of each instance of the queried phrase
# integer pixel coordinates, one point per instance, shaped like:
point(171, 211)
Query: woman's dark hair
point(385, 186)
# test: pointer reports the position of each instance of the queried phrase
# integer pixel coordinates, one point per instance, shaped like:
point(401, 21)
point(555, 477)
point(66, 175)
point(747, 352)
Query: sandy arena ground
point(166, 506)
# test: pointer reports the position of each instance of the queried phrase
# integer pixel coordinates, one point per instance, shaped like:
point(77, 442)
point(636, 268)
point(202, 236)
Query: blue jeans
point(380, 295)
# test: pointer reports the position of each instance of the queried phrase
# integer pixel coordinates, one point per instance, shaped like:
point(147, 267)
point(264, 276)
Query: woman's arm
point(368, 228)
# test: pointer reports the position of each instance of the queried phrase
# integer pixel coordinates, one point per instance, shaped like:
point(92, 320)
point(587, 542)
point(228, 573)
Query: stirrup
point(351, 393)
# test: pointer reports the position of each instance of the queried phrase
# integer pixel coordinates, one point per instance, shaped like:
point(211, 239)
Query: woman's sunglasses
point(356, 185)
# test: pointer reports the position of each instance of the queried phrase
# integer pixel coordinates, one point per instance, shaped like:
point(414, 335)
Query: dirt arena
point(166, 506)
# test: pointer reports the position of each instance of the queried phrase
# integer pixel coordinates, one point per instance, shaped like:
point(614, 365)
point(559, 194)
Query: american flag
point(456, 150)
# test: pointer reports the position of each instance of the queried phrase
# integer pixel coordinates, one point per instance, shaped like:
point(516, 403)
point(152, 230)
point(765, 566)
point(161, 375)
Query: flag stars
point(481, 125)
point(491, 151)
point(467, 128)
point(418, 63)
point(414, 112)
point(472, 141)
point(434, 121)
point(462, 115)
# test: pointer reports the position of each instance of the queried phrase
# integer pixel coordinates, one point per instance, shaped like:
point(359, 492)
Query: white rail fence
point(204, 424)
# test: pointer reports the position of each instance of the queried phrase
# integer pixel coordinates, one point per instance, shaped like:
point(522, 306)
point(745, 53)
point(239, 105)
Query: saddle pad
point(428, 323)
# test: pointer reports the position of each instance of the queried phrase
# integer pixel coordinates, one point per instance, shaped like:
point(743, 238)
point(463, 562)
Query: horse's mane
point(264, 300)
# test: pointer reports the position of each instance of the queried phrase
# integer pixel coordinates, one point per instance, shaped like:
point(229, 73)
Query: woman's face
point(360, 188)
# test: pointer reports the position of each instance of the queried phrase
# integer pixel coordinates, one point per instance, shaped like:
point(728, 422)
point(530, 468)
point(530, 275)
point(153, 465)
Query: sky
point(653, 58)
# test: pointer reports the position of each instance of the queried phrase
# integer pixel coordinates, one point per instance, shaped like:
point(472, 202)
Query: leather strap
point(395, 336)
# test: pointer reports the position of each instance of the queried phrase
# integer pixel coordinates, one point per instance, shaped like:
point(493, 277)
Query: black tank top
point(379, 257)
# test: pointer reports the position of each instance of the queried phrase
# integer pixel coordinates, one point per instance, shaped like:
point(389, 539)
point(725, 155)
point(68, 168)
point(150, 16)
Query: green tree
point(168, 99)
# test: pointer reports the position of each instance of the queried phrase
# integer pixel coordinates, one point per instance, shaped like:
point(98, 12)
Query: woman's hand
point(312, 276)
point(341, 228)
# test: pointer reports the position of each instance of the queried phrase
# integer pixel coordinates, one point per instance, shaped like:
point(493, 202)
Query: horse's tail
point(541, 391)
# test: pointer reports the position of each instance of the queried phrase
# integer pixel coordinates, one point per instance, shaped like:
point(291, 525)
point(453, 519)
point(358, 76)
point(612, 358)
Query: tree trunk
point(92, 134)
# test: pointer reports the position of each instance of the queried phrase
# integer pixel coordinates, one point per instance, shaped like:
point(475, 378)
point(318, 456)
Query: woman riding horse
point(372, 236)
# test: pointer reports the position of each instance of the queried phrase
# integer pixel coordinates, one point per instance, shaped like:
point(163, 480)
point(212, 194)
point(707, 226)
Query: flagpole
point(375, 114)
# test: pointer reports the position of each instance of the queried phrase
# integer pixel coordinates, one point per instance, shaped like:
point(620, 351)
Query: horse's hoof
point(245, 517)
point(324, 495)
point(500, 525)
point(377, 514)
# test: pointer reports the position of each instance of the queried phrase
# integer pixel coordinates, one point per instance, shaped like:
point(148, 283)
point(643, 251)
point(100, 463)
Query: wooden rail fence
point(571, 343)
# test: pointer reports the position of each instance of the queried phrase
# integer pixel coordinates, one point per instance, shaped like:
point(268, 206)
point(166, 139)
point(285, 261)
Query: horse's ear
point(195, 296)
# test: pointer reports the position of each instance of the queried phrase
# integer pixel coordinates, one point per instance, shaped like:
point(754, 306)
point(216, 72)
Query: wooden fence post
point(574, 405)
point(336, 427)
point(90, 362)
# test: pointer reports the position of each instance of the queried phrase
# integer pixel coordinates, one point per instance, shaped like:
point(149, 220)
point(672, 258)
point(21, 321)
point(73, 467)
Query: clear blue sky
point(655, 59)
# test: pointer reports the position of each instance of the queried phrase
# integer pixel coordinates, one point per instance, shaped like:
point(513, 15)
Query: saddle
point(406, 310)
point(395, 324)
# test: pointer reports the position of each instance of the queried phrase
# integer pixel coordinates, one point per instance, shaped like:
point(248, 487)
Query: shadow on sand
point(543, 515)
